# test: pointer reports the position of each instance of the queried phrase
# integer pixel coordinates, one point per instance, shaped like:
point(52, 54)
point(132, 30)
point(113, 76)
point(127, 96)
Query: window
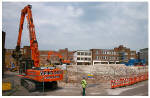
point(108, 52)
point(85, 58)
point(97, 57)
point(89, 59)
point(25, 51)
point(132, 53)
point(117, 58)
point(78, 53)
point(82, 58)
point(110, 57)
point(96, 51)
point(89, 53)
point(103, 52)
point(126, 53)
point(112, 53)
point(86, 53)
point(78, 58)
point(82, 53)
point(106, 57)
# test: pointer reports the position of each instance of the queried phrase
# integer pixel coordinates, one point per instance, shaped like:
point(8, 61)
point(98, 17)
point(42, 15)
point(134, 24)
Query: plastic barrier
point(112, 84)
point(122, 82)
point(118, 83)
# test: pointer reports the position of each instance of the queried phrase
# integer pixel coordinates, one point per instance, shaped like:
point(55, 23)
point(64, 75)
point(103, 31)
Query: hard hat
point(83, 77)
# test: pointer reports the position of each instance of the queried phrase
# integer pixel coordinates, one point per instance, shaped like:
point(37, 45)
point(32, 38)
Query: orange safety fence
point(122, 82)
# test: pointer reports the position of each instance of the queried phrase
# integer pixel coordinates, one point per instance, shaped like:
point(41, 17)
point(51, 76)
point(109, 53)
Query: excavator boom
point(59, 55)
point(33, 42)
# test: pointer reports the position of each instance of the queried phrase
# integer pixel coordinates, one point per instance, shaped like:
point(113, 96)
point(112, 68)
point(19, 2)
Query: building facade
point(104, 56)
point(125, 53)
point(83, 57)
point(143, 54)
point(54, 59)
point(67, 55)
point(112, 56)
point(9, 60)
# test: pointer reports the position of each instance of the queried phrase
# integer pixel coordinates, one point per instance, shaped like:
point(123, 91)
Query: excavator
point(62, 61)
point(31, 73)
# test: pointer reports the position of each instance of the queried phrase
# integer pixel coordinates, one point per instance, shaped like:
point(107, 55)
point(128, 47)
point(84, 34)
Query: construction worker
point(84, 84)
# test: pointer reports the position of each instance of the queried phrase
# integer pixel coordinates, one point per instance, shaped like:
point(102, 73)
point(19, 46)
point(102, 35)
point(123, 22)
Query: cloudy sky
point(80, 25)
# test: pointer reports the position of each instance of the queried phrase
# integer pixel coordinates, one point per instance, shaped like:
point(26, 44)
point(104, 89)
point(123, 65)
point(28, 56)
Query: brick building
point(8, 57)
point(112, 56)
point(66, 55)
point(104, 56)
point(125, 53)
point(79, 57)
point(9, 60)
point(25, 51)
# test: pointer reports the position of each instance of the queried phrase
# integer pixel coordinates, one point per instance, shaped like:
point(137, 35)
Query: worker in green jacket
point(84, 84)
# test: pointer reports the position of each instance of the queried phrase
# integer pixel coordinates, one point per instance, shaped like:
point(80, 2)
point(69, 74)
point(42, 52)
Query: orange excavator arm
point(33, 42)
point(57, 54)
point(53, 53)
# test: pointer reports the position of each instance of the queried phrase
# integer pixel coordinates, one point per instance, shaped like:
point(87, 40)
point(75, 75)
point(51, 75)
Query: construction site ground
point(74, 89)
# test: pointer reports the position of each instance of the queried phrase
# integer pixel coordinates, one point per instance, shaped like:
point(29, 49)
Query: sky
point(79, 25)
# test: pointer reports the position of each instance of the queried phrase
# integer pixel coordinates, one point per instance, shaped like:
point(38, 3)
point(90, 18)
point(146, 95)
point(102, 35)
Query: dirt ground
point(74, 89)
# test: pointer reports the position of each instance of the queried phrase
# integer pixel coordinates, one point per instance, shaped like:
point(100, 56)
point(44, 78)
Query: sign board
point(90, 76)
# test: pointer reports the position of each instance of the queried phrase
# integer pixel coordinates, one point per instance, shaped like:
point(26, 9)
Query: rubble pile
point(101, 73)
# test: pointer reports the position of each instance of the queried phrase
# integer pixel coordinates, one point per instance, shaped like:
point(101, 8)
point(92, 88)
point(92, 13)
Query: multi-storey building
point(143, 54)
point(112, 56)
point(125, 53)
point(104, 56)
point(83, 57)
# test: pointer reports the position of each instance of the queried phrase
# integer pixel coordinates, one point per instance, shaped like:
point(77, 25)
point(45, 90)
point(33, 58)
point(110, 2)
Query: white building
point(83, 57)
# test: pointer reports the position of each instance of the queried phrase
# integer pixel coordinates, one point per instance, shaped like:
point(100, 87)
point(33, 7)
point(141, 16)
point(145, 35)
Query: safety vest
point(83, 83)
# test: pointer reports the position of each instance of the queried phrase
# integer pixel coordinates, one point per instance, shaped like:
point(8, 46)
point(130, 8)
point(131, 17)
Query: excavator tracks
point(31, 86)
point(28, 84)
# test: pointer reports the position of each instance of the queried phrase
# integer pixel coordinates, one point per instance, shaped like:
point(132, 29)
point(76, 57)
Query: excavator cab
point(25, 64)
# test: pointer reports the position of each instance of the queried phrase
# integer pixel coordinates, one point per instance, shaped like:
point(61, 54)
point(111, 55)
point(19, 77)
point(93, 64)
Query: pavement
point(139, 89)
point(101, 89)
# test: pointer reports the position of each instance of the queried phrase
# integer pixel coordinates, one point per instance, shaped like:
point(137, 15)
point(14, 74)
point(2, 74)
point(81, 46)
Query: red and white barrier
point(128, 81)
